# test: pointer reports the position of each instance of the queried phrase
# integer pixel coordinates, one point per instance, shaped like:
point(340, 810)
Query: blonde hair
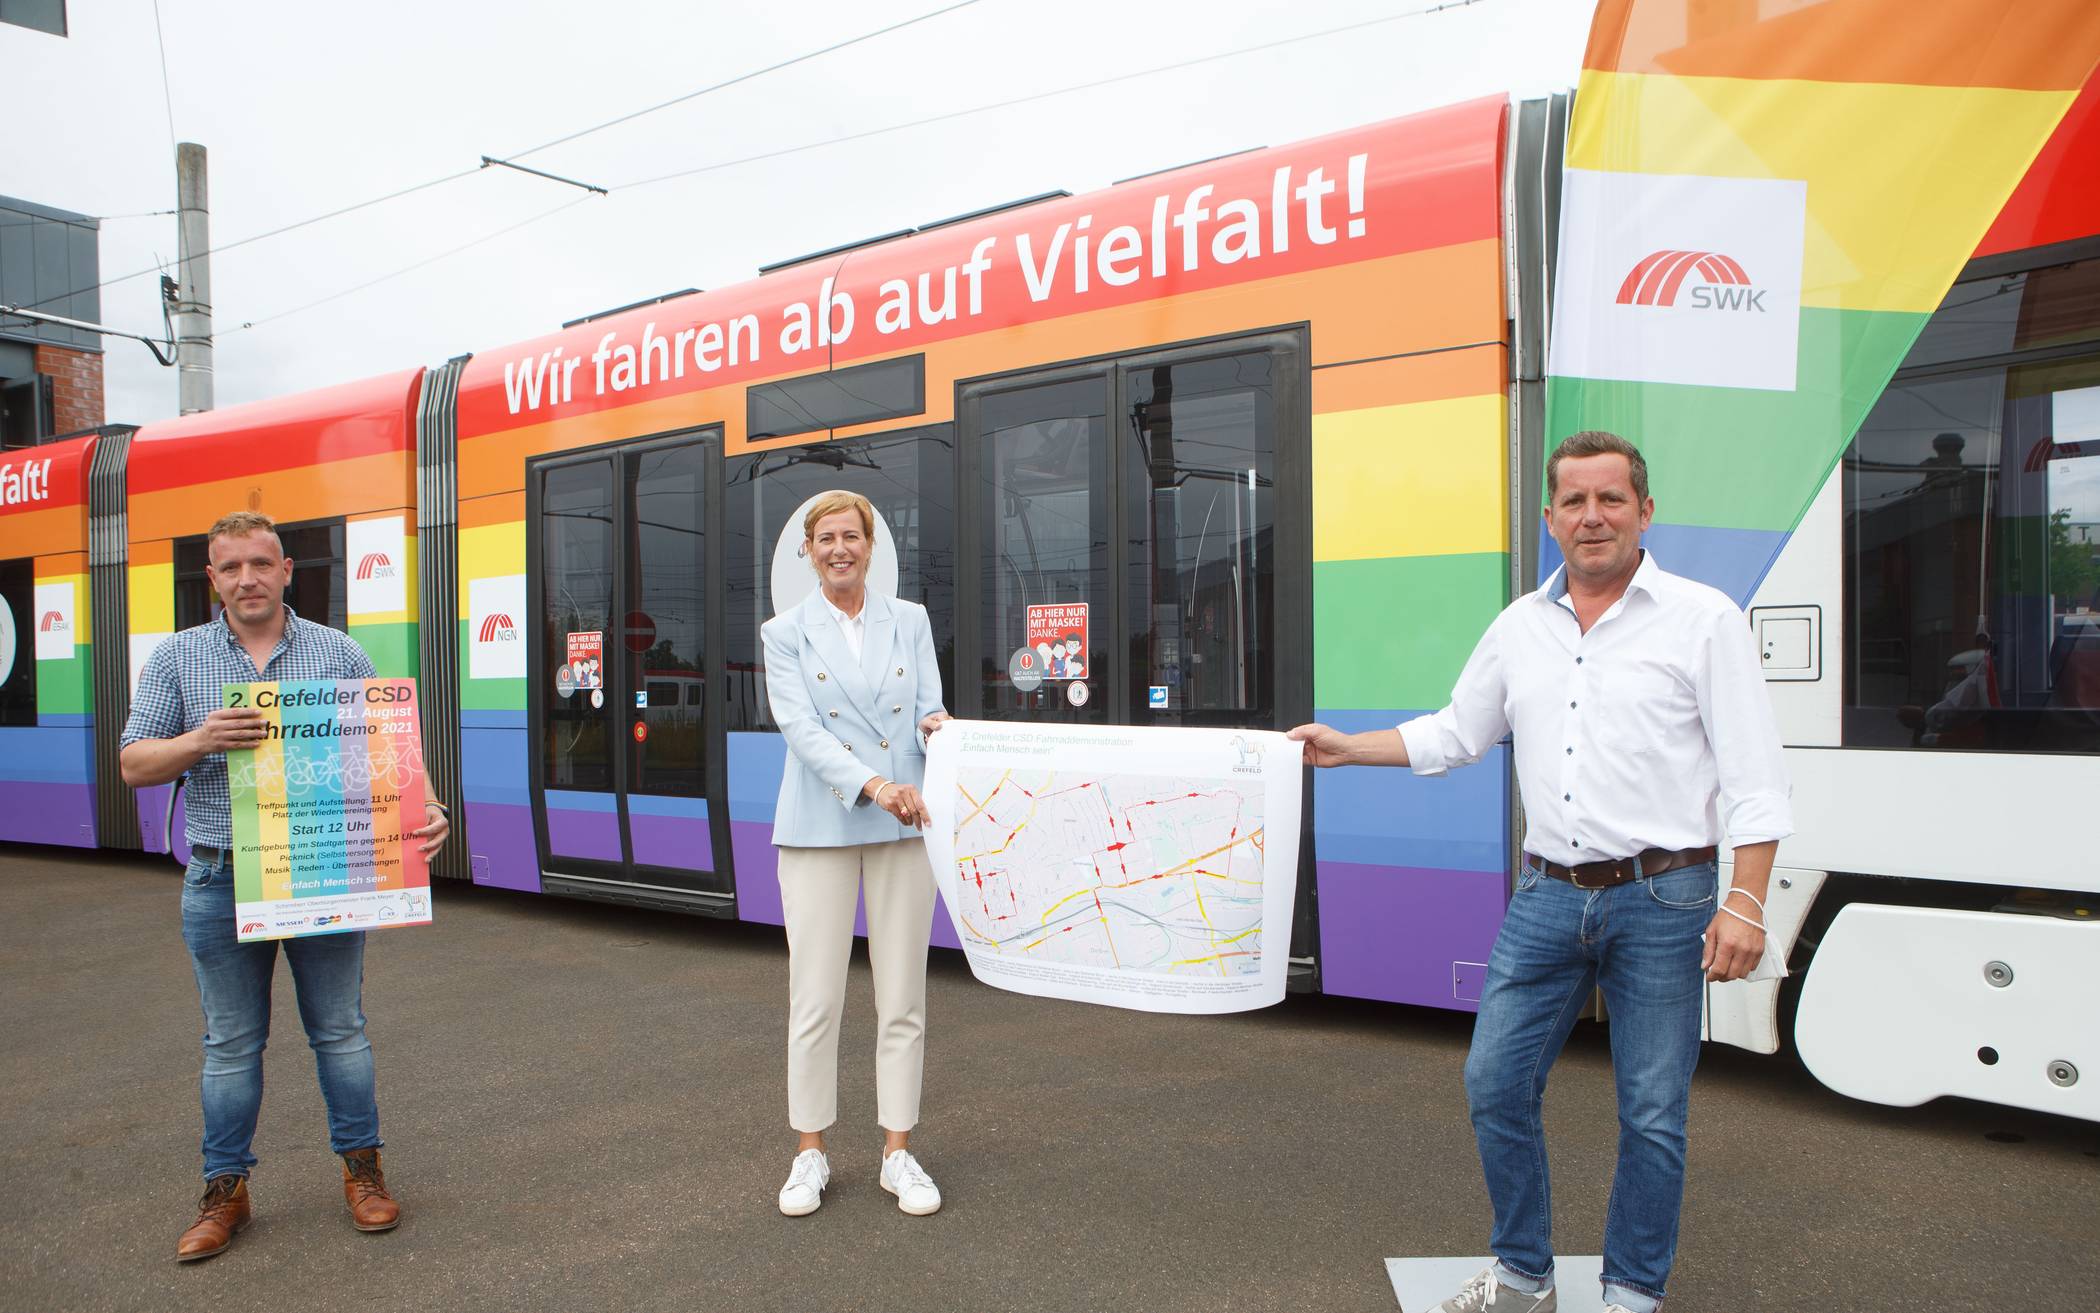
point(831, 503)
point(239, 524)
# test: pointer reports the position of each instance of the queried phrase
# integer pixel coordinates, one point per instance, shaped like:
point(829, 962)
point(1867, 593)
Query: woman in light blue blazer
point(851, 678)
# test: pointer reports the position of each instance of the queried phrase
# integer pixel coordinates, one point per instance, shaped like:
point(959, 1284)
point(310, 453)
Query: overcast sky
point(307, 109)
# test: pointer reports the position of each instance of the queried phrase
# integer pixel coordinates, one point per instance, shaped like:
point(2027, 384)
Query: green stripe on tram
point(1394, 633)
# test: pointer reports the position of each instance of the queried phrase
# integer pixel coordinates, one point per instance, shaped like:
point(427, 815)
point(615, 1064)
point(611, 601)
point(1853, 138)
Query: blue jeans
point(1639, 943)
point(233, 980)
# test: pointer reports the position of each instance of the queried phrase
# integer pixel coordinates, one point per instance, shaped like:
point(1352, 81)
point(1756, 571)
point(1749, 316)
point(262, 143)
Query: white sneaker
point(805, 1184)
point(916, 1193)
point(1485, 1293)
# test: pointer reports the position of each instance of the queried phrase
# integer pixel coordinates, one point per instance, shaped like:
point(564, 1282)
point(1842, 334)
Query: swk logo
point(376, 565)
point(498, 629)
point(54, 622)
point(1659, 280)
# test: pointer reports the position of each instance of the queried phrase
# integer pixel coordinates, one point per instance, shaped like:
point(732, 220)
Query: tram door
point(1141, 528)
point(627, 783)
point(1142, 545)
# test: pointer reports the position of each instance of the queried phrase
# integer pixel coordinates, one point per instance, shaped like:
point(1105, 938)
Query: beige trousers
point(818, 889)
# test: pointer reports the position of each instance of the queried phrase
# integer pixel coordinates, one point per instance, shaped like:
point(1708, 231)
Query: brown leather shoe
point(364, 1189)
point(222, 1214)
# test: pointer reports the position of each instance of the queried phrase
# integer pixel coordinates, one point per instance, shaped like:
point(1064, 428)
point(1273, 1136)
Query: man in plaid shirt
point(177, 726)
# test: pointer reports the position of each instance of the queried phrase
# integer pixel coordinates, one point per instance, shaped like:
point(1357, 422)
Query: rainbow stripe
point(47, 770)
point(1408, 389)
point(320, 809)
point(346, 451)
point(1888, 134)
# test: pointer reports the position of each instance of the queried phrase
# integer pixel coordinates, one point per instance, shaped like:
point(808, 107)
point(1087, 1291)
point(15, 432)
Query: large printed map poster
point(1141, 867)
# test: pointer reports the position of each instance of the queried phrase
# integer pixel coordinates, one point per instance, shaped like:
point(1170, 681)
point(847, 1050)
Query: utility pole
point(193, 291)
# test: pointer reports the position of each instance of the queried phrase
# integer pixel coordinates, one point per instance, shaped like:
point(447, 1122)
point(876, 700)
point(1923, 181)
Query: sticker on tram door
point(1057, 632)
point(586, 662)
point(1025, 670)
point(641, 731)
point(1075, 693)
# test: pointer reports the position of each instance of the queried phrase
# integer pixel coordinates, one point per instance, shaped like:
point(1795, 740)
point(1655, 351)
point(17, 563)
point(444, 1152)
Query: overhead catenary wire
point(408, 268)
point(783, 151)
point(478, 167)
point(167, 97)
point(1033, 97)
point(740, 78)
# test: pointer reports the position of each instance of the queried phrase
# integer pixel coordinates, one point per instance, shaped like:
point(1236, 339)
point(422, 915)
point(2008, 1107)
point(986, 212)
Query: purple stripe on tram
point(681, 843)
point(43, 812)
point(757, 871)
point(758, 884)
point(499, 846)
point(1407, 934)
point(587, 834)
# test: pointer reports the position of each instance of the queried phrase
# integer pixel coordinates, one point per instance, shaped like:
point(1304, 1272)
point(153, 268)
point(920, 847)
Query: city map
point(1111, 871)
point(1121, 865)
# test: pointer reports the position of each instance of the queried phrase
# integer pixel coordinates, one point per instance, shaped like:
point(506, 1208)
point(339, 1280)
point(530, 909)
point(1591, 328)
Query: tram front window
point(1973, 537)
point(1200, 497)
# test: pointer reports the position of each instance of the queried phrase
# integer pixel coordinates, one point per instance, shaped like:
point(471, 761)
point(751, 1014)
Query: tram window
point(909, 478)
point(576, 572)
point(1972, 524)
point(667, 489)
point(1200, 501)
point(1046, 526)
point(17, 643)
point(837, 398)
point(317, 591)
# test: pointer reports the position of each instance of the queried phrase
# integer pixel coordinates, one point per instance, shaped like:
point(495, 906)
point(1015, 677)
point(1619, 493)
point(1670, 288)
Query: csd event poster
point(322, 809)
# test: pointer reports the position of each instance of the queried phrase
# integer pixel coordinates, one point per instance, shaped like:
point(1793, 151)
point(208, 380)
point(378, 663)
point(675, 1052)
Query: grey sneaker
point(1485, 1293)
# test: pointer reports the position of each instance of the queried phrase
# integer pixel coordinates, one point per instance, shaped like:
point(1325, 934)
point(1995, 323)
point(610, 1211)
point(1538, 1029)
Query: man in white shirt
point(1643, 738)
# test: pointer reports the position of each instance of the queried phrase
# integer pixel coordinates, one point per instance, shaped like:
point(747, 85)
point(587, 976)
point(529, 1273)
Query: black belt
point(210, 856)
point(1622, 870)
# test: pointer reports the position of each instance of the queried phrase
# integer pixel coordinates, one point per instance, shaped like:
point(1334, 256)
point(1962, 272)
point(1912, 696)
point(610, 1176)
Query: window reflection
point(1046, 525)
point(576, 570)
point(1202, 511)
point(662, 635)
point(1972, 523)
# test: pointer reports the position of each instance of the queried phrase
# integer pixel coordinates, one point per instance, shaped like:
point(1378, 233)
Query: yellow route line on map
point(1062, 901)
point(1219, 958)
point(987, 799)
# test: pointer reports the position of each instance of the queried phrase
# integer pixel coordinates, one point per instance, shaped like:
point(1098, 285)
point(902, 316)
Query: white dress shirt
point(854, 627)
point(1653, 730)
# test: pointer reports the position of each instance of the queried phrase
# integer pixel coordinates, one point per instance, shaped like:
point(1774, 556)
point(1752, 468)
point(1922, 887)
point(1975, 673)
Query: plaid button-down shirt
point(184, 681)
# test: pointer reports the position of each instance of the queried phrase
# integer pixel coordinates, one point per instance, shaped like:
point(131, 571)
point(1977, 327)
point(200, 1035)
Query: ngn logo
point(1659, 280)
point(376, 565)
point(498, 628)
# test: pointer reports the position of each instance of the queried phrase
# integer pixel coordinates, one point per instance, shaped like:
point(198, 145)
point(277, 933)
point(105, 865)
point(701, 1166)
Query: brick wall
point(76, 387)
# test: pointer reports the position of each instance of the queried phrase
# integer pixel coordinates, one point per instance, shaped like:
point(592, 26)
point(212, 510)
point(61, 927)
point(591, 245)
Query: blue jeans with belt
point(1640, 944)
point(233, 980)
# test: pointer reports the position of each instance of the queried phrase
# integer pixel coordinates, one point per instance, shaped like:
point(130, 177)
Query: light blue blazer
point(845, 720)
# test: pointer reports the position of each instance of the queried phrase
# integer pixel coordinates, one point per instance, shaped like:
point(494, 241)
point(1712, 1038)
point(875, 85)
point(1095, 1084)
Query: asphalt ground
point(584, 1107)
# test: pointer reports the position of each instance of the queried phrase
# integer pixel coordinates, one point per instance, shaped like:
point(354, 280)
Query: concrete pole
point(193, 290)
